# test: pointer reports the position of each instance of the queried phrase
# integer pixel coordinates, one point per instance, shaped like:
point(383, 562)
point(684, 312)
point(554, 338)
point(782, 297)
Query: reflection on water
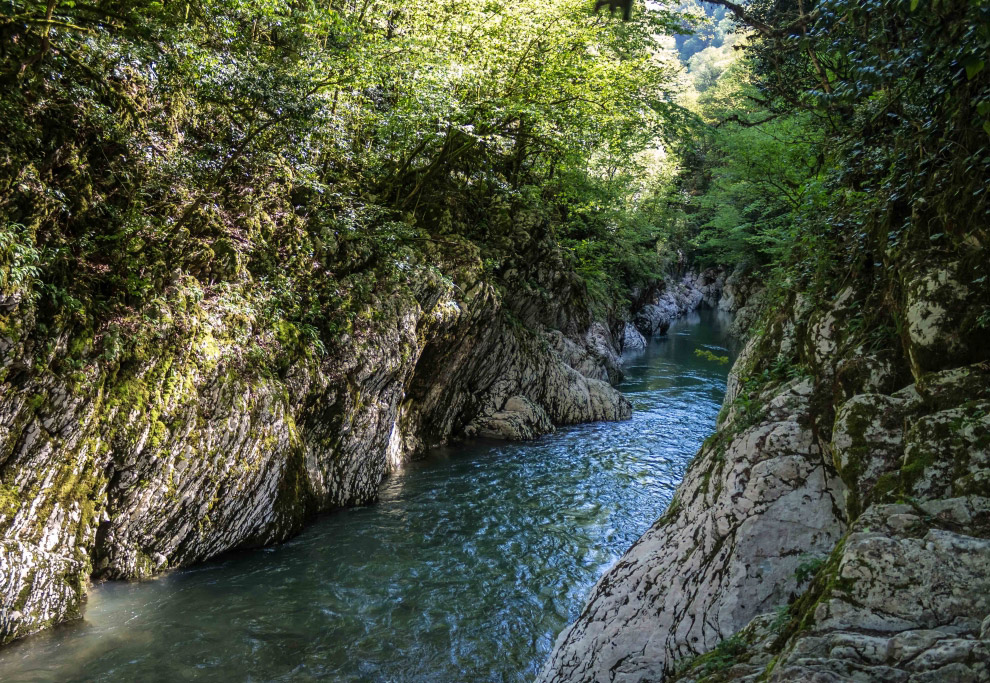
point(466, 569)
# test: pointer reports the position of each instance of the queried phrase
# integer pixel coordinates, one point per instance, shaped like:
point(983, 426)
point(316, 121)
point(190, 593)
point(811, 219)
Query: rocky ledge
point(837, 525)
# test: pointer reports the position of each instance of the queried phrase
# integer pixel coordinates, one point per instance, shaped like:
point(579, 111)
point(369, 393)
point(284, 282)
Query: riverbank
point(125, 469)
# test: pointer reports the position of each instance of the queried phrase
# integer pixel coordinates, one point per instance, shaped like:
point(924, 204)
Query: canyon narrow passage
point(467, 569)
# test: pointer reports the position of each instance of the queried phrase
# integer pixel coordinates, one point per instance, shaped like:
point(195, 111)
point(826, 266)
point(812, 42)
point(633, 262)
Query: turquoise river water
point(466, 569)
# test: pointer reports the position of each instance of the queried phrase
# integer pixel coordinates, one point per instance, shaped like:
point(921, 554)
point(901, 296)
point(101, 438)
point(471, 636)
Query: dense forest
point(846, 140)
point(257, 254)
point(321, 151)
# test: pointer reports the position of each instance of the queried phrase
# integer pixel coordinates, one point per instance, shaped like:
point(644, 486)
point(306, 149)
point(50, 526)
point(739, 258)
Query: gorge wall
point(837, 524)
point(190, 450)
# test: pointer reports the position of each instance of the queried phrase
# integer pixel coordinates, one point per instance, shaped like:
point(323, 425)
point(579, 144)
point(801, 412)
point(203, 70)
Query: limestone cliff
point(837, 525)
point(207, 440)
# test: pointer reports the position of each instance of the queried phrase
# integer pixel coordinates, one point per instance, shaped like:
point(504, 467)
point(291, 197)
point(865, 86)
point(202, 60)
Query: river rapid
point(465, 570)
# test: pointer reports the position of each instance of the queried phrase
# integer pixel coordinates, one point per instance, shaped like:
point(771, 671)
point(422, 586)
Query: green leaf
point(973, 66)
point(914, 5)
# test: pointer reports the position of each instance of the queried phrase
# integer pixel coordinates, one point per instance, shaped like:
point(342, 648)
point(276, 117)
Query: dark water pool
point(466, 569)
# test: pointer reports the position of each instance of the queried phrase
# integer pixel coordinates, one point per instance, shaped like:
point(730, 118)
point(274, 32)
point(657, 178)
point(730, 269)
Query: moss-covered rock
point(895, 433)
point(752, 506)
point(905, 599)
point(867, 445)
point(937, 311)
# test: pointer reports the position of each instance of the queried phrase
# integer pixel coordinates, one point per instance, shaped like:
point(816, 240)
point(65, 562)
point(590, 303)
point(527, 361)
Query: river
point(465, 570)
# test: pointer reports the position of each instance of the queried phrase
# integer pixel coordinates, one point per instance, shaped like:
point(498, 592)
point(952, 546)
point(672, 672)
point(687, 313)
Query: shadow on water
point(470, 564)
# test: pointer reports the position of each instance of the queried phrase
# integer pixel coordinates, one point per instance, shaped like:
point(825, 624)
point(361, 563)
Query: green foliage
point(706, 26)
point(323, 153)
point(841, 144)
point(750, 182)
point(752, 385)
point(899, 102)
point(326, 153)
point(808, 568)
point(723, 656)
point(19, 259)
point(782, 616)
point(709, 356)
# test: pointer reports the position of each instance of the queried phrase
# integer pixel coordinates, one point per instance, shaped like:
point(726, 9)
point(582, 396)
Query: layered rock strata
point(738, 291)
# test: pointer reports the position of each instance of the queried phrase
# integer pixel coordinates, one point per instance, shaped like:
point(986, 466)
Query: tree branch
point(744, 123)
point(765, 29)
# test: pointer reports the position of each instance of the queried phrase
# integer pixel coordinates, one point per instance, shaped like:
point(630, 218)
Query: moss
point(35, 402)
point(159, 433)
point(916, 462)
point(132, 394)
point(738, 655)
point(802, 612)
point(294, 503)
point(10, 499)
point(943, 445)
point(80, 344)
point(887, 486)
point(722, 657)
point(751, 402)
point(856, 421)
point(673, 510)
point(144, 566)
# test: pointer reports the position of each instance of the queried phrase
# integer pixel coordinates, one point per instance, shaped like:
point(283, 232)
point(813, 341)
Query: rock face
point(910, 599)
point(742, 294)
point(632, 339)
point(190, 449)
point(660, 306)
point(706, 569)
point(836, 527)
